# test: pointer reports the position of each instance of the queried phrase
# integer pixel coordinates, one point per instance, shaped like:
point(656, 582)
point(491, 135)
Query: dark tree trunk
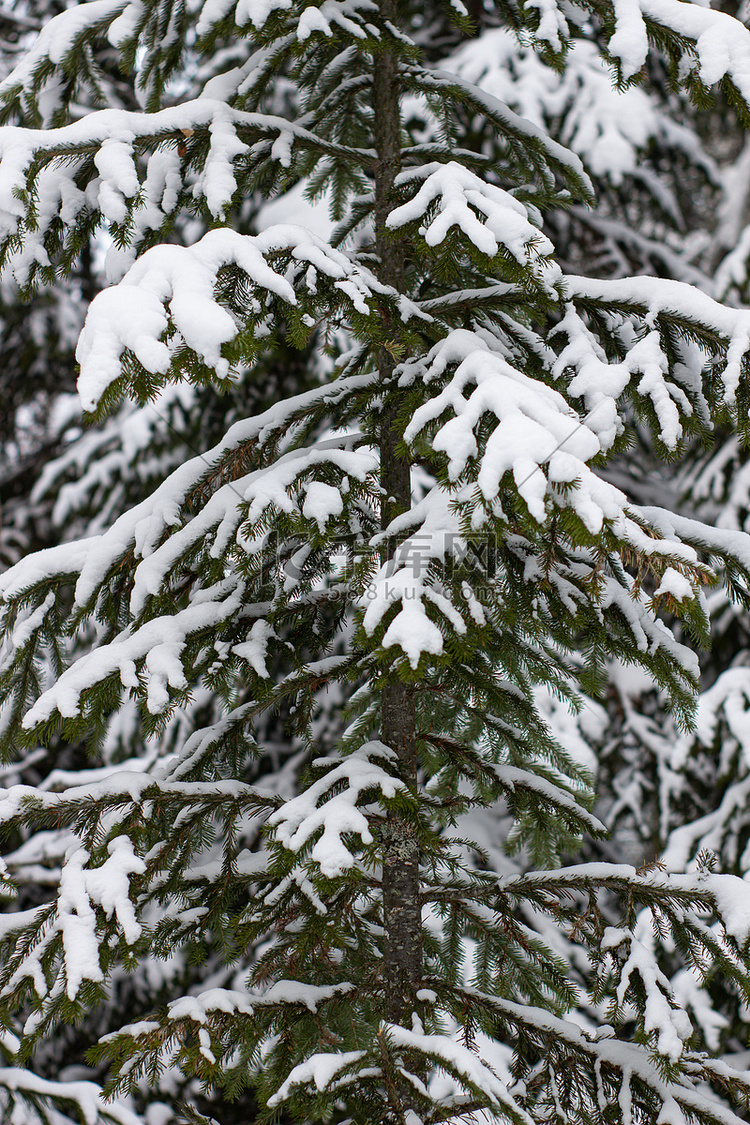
point(401, 907)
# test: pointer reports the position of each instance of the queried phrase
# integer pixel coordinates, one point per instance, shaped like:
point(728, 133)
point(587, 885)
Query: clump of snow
point(486, 214)
point(460, 1058)
point(219, 182)
point(322, 503)
point(87, 1097)
point(82, 887)
point(114, 160)
point(661, 296)
point(676, 585)
point(733, 904)
point(663, 1017)
point(320, 1069)
point(198, 1008)
point(406, 579)
point(301, 818)
point(159, 643)
point(254, 650)
point(173, 287)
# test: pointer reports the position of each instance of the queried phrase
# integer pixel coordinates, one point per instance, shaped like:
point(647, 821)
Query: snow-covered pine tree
point(105, 471)
point(426, 532)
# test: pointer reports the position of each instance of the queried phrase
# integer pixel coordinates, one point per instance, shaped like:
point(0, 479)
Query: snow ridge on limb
point(143, 527)
point(686, 306)
point(26, 1092)
point(533, 148)
point(722, 50)
point(492, 219)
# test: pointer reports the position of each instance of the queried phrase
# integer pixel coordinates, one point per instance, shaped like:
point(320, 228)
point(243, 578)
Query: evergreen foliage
point(307, 678)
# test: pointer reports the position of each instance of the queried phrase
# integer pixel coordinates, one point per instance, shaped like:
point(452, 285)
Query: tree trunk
point(401, 907)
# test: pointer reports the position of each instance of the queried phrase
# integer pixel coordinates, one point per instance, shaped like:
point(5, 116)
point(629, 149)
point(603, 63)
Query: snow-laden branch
point(722, 43)
point(44, 167)
point(166, 300)
point(141, 528)
point(330, 804)
point(128, 787)
point(608, 128)
point(353, 17)
point(72, 922)
point(542, 152)
point(682, 1098)
point(91, 1106)
point(653, 297)
point(449, 195)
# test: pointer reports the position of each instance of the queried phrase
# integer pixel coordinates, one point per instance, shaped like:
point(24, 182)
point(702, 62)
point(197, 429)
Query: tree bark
point(401, 906)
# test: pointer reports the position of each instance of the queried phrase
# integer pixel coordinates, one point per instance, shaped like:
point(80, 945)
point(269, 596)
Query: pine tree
point(425, 530)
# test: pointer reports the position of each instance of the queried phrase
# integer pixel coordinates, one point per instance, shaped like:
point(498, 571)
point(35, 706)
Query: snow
point(320, 1069)
point(462, 1059)
point(486, 214)
point(59, 196)
point(722, 43)
point(628, 1059)
point(199, 1008)
point(125, 26)
point(114, 161)
point(676, 585)
point(557, 154)
point(722, 541)
point(659, 296)
point(41, 566)
point(270, 488)
point(87, 1096)
point(131, 316)
point(81, 888)
point(536, 428)
point(537, 445)
point(322, 503)
point(406, 578)
point(159, 643)
point(142, 528)
point(27, 625)
point(732, 897)
point(629, 43)
point(662, 1017)
point(512, 776)
point(534, 420)
point(255, 649)
point(131, 785)
point(220, 184)
point(729, 894)
point(346, 15)
point(58, 37)
point(338, 815)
